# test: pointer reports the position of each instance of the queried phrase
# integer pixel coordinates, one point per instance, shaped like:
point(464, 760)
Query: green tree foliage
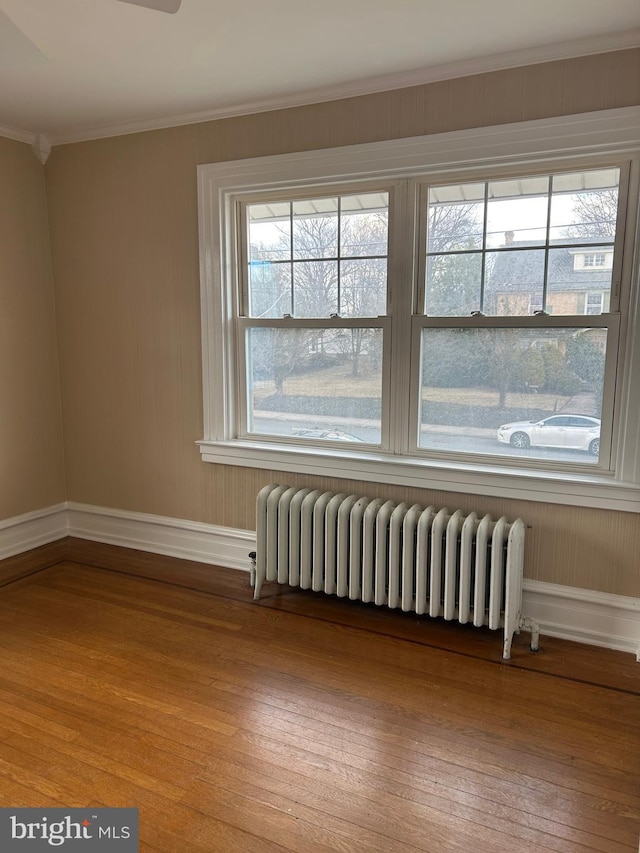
point(453, 285)
point(453, 280)
point(511, 360)
point(278, 353)
point(558, 378)
point(451, 359)
point(587, 361)
point(529, 367)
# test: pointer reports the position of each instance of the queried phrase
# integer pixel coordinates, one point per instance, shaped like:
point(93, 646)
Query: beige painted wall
point(125, 252)
point(31, 458)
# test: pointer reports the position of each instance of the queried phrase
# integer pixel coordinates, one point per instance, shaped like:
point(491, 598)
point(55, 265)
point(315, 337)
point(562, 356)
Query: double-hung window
point(493, 368)
point(313, 323)
point(441, 311)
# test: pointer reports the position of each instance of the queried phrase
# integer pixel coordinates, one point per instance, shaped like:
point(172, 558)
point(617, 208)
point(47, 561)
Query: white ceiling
point(74, 69)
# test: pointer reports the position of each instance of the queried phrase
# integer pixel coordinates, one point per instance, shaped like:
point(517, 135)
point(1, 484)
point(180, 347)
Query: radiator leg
point(506, 651)
point(253, 579)
point(532, 625)
point(256, 591)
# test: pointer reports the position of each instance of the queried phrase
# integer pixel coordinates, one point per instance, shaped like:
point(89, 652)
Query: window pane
point(523, 217)
point(584, 206)
point(453, 284)
point(364, 225)
point(363, 288)
point(579, 280)
point(514, 282)
point(269, 289)
point(315, 288)
point(319, 256)
point(517, 212)
point(456, 218)
point(315, 228)
point(269, 232)
point(316, 384)
point(498, 391)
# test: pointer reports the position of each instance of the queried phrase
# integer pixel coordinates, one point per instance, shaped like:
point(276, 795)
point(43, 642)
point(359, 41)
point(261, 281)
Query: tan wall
point(125, 250)
point(31, 458)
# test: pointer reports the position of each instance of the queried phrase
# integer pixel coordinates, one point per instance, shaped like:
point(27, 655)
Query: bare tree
point(595, 214)
point(453, 280)
point(452, 226)
point(353, 286)
point(315, 271)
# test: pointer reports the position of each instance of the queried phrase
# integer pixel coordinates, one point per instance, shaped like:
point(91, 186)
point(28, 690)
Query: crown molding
point(39, 142)
point(386, 83)
point(17, 134)
point(41, 147)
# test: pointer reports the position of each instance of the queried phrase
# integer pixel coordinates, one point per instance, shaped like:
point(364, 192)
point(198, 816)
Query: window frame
point(244, 321)
point(589, 141)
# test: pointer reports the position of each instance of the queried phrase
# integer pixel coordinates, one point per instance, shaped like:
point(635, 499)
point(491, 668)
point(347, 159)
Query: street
point(436, 438)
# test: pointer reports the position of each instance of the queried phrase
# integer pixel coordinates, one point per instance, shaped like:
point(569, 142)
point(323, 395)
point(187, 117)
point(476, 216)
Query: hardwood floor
point(304, 724)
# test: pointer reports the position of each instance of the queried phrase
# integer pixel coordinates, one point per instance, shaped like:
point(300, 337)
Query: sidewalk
point(348, 424)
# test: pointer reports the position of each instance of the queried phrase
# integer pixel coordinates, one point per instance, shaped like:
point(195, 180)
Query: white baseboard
point(40, 527)
point(172, 537)
point(586, 616)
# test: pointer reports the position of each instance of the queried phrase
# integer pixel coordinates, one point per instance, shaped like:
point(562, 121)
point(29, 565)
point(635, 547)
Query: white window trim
point(607, 133)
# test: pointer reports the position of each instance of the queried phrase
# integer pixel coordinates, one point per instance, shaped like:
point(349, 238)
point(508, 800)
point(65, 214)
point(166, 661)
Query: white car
point(580, 432)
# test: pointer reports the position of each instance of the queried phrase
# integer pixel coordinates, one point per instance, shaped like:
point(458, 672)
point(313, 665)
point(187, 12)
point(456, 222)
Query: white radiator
point(428, 561)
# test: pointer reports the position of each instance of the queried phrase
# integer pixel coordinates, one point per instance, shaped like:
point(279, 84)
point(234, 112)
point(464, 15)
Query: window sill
point(579, 489)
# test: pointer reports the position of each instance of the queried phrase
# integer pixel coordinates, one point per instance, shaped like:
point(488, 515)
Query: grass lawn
point(339, 383)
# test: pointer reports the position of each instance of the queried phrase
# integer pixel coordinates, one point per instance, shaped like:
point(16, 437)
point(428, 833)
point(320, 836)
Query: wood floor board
point(270, 726)
point(326, 789)
point(287, 821)
point(610, 750)
point(237, 622)
point(609, 747)
point(563, 658)
point(433, 718)
point(13, 569)
point(475, 677)
point(381, 830)
point(114, 783)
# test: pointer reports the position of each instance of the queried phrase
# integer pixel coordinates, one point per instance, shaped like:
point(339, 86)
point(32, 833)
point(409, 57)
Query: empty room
point(319, 444)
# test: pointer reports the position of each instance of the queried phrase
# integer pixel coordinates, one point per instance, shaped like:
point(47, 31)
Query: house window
point(593, 262)
point(372, 321)
point(594, 303)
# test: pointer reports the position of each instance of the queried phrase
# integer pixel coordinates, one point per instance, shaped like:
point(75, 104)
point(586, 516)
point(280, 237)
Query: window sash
point(609, 322)
point(242, 203)
point(487, 175)
point(244, 324)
